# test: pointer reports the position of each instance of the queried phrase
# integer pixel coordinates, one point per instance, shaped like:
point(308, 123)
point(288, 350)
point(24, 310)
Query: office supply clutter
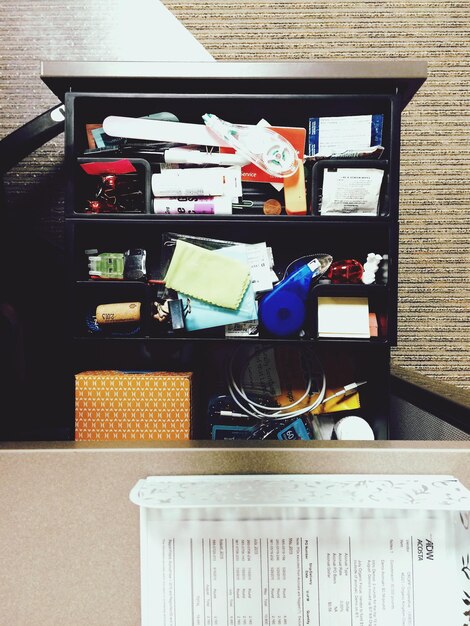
point(280, 392)
point(259, 147)
point(117, 188)
point(208, 284)
point(228, 279)
point(265, 154)
point(233, 286)
point(238, 289)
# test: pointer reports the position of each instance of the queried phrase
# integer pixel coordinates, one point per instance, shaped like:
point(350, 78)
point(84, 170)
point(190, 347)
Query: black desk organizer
point(285, 95)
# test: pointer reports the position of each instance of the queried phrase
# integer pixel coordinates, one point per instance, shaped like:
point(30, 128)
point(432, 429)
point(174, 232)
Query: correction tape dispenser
point(263, 146)
point(282, 311)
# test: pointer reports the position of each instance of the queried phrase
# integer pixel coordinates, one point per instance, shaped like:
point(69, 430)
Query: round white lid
point(353, 427)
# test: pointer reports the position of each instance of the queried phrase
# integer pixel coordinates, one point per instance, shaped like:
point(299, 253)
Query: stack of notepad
point(343, 317)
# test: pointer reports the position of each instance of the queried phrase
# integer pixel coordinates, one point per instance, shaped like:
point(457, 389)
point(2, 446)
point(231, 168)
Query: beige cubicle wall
point(70, 535)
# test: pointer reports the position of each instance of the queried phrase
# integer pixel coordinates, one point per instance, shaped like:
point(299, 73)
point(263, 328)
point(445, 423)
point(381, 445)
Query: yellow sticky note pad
point(343, 317)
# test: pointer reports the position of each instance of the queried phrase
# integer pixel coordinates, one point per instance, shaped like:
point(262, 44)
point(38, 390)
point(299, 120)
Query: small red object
point(97, 168)
point(95, 206)
point(109, 182)
point(348, 271)
point(101, 206)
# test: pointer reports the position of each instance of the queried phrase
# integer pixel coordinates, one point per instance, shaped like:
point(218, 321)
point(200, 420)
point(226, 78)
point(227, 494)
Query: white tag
point(259, 261)
point(242, 329)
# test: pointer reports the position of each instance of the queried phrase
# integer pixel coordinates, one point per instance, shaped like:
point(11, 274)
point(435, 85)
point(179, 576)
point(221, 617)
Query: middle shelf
point(292, 243)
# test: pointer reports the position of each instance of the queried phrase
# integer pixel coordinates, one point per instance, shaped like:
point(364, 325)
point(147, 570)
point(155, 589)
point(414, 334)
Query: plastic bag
point(263, 146)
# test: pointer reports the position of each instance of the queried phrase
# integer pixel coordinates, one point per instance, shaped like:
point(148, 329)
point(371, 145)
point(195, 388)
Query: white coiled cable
point(261, 411)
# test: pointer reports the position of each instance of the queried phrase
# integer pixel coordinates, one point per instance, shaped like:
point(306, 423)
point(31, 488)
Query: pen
point(185, 156)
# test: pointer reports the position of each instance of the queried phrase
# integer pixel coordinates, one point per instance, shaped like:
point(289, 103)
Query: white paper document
point(349, 132)
point(338, 572)
point(351, 190)
point(304, 550)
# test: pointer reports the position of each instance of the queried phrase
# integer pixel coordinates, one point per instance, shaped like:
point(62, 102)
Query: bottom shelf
point(113, 406)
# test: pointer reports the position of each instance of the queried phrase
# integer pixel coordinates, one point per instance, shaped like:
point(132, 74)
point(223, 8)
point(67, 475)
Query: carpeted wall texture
point(434, 307)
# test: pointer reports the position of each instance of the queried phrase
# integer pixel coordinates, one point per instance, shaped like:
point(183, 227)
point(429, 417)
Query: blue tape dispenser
point(282, 311)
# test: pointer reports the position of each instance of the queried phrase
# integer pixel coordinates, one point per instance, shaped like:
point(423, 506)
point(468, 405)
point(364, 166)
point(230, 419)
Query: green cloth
point(210, 277)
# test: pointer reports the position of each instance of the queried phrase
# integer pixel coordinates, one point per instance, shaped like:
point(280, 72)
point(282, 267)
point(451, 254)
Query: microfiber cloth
point(210, 277)
point(204, 315)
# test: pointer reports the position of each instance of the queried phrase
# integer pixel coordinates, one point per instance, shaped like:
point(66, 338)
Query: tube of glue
point(208, 205)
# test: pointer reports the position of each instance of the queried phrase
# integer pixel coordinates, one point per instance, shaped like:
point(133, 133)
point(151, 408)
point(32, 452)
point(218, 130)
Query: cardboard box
point(121, 406)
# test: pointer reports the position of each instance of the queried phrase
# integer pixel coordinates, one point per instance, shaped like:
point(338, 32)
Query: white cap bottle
point(353, 428)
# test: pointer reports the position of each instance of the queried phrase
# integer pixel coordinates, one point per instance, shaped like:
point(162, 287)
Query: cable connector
point(232, 414)
point(345, 391)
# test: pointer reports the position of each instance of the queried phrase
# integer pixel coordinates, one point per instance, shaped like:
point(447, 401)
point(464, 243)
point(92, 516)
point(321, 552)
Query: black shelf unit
point(285, 94)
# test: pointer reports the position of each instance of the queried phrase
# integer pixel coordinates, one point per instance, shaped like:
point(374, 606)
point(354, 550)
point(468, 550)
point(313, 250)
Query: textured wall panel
point(434, 308)
point(414, 424)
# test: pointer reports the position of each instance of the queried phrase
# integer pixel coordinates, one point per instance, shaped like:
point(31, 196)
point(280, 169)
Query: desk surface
point(70, 535)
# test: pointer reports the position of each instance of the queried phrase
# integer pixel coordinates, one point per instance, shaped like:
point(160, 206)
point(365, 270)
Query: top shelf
point(401, 76)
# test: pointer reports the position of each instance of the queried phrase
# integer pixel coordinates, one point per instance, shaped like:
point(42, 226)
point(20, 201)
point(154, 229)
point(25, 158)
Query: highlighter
point(282, 311)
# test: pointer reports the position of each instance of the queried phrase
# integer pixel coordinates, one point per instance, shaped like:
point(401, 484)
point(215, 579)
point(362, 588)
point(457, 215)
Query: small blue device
point(282, 311)
point(294, 430)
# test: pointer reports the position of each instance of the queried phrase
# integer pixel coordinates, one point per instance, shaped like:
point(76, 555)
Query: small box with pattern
point(123, 406)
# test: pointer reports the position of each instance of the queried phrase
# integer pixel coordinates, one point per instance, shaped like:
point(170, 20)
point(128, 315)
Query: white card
point(348, 132)
point(259, 260)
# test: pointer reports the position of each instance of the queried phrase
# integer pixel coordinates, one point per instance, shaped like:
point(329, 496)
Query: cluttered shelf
point(195, 274)
point(238, 250)
point(220, 194)
point(224, 390)
point(334, 312)
point(165, 161)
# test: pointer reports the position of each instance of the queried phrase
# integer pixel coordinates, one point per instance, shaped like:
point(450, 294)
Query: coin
point(272, 207)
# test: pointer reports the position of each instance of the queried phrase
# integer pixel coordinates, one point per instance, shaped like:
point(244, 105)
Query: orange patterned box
point(140, 406)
